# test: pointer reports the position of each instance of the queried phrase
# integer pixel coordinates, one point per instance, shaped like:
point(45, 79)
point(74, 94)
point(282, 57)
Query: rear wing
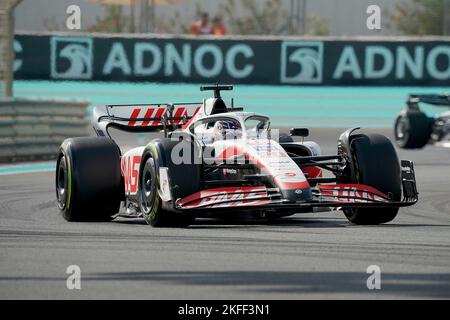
point(143, 117)
point(434, 99)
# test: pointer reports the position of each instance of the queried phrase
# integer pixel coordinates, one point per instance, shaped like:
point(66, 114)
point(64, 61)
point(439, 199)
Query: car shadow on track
point(290, 222)
point(293, 282)
point(203, 223)
point(282, 222)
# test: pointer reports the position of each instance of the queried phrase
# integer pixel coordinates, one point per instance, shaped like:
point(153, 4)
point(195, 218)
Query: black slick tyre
point(184, 179)
point(412, 129)
point(88, 180)
point(375, 164)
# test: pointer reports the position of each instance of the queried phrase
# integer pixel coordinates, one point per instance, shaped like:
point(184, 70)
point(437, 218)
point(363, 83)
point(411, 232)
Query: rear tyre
point(412, 129)
point(375, 164)
point(88, 179)
point(184, 180)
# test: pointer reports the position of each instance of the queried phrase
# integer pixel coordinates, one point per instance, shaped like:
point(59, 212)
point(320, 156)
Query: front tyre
point(184, 180)
point(88, 179)
point(412, 129)
point(375, 164)
point(150, 201)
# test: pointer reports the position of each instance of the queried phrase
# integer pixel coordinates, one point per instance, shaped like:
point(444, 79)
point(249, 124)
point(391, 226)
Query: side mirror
point(299, 132)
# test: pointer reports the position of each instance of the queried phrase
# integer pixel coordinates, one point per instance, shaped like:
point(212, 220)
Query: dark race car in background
point(215, 159)
point(414, 129)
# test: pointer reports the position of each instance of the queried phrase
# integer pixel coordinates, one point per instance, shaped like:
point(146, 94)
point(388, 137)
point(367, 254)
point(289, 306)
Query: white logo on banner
point(206, 60)
point(71, 58)
point(301, 62)
point(397, 61)
point(17, 49)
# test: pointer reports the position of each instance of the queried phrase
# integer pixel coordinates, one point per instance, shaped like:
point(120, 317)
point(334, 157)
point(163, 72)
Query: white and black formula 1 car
point(216, 160)
point(414, 129)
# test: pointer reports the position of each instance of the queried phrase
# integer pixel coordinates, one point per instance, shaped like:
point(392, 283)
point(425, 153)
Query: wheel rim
point(148, 190)
point(61, 183)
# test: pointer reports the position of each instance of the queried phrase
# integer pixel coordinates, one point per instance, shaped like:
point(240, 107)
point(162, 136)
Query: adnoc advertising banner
point(251, 61)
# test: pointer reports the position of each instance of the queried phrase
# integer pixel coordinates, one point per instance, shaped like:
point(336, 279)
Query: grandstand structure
point(6, 46)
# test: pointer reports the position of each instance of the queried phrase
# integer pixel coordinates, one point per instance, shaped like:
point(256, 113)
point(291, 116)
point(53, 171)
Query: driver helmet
point(227, 129)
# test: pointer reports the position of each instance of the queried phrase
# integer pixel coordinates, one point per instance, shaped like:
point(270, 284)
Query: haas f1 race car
point(216, 160)
point(414, 129)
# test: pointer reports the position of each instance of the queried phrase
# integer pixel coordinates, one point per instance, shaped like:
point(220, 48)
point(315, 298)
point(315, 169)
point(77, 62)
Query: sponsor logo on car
point(290, 174)
point(231, 200)
point(130, 171)
point(153, 112)
point(226, 197)
point(352, 194)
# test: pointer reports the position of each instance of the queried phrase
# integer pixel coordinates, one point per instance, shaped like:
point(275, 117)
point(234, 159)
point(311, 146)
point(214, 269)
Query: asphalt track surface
point(318, 255)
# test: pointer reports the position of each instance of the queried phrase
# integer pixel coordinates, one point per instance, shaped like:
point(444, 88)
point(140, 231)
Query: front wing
point(323, 195)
